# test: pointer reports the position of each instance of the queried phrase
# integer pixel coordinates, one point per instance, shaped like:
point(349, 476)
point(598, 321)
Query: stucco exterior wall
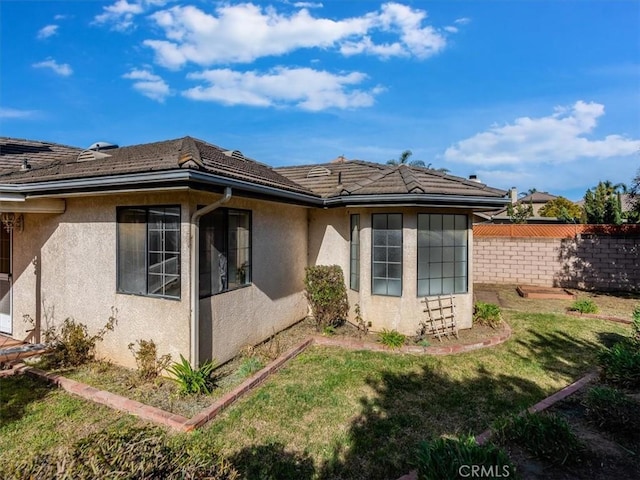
point(65, 266)
point(275, 299)
point(329, 245)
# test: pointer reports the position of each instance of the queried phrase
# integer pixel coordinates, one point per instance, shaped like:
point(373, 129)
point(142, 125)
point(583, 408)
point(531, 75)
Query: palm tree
point(531, 191)
point(404, 160)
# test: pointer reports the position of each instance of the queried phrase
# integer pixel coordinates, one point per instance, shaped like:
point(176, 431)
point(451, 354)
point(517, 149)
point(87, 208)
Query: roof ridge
point(369, 180)
point(410, 180)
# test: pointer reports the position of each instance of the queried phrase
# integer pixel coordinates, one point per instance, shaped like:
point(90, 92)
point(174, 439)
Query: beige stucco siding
point(329, 244)
point(275, 299)
point(65, 266)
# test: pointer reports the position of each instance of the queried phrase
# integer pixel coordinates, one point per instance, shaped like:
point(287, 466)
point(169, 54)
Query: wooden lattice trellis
point(441, 313)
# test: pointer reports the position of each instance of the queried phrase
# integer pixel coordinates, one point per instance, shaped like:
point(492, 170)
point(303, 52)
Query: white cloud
point(304, 88)
point(462, 21)
point(556, 139)
point(149, 84)
point(14, 113)
point(307, 5)
point(241, 33)
point(47, 31)
point(62, 69)
point(451, 29)
point(121, 14)
point(60, 17)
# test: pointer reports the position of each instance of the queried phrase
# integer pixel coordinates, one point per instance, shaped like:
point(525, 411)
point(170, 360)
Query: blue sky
point(542, 94)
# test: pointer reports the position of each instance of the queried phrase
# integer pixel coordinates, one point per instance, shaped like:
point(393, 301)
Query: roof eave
point(146, 180)
point(476, 203)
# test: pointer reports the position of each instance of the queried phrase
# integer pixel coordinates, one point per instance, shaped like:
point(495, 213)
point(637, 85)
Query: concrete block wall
point(590, 262)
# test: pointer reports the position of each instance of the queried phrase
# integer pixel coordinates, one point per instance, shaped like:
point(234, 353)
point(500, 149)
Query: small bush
point(71, 345)
point(546, 436)
point(363, 326)
point(612, 410)
point(392, 338)
point(146, 355)
point(124, 453)
point(327, 295)
point(584, 305)
point(487, 314)
point(192, 380)
point(449, 458)
point(249, 366)
point(635, 325)
point(621, 363)
point(329, 331)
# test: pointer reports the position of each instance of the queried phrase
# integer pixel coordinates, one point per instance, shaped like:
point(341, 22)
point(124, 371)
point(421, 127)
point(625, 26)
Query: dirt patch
point(606, 456)
point(531, 291)
point(619, 305)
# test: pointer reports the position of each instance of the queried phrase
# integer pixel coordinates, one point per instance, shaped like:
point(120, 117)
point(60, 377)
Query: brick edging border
point(183, 424)
point(600, 317)
point(356, 344)
point(547, 402)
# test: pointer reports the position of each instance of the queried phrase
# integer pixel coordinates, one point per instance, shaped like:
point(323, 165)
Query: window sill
point(202, 297)
point(145, 295)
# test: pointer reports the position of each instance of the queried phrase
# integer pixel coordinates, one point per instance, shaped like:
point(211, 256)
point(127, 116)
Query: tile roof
point(355, 177)
point(538, 197)
point(166, 155)
point(14, 151)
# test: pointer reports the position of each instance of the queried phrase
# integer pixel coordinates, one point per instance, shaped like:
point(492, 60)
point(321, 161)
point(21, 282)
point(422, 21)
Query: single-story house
point(203, 250)
point(536, 199)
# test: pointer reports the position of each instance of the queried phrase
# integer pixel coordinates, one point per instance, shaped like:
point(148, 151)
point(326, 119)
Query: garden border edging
point(183, 424)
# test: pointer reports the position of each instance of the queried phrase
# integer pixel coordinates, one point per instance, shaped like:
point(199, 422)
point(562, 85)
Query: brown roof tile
point(167, 155)
point(364, 178)
point(14, 151)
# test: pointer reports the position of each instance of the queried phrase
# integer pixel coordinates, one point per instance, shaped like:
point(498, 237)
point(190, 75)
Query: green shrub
point(584, 305)
point(635, 325)
point(612, 410)
point(621, 363)
point(363, 326)
point(192, 380)
point(487, 314)
point(392, 338)
point(327, 295)
point(329, 331)
point(449, 458)
point(546, 436)
point(146, 355)
point(71, 345)
point(123, 453)
point(249, 366)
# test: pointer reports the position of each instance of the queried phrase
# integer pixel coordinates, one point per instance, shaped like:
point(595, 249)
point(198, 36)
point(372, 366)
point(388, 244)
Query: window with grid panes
point(354, 260)
point(386, 255)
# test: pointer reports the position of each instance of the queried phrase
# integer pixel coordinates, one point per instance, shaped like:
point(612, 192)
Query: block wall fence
point(588, 257)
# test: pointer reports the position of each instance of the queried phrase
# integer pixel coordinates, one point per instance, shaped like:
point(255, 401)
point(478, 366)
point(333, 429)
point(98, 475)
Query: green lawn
point(342, 414)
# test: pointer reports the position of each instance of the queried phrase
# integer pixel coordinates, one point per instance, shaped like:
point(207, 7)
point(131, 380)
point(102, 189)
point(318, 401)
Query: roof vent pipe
point(474, 178)
point(25, 165)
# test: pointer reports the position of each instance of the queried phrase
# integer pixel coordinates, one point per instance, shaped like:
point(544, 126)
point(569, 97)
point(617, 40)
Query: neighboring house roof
point(57, 169)
point(537, 197)
point(626, 202)
point(347, 180)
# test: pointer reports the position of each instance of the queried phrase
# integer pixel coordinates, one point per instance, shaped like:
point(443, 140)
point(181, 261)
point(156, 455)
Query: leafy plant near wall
point(192, 380)
point(327, 295)
point(584, 305)
point(146, 355)
point(487, 314)
point(450, 457)
point(363, 327)
point(71, 345)
point(635, 325)
point(621, 363)
point(392, 338)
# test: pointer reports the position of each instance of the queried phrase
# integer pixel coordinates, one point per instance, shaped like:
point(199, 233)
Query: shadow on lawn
point(16, 393)
point(405, 409)
point(560, 353)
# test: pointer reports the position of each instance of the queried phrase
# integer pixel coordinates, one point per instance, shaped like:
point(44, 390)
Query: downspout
point(195, 277)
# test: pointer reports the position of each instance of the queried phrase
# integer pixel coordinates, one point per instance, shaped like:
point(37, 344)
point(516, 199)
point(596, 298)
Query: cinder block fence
point(590, 257)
